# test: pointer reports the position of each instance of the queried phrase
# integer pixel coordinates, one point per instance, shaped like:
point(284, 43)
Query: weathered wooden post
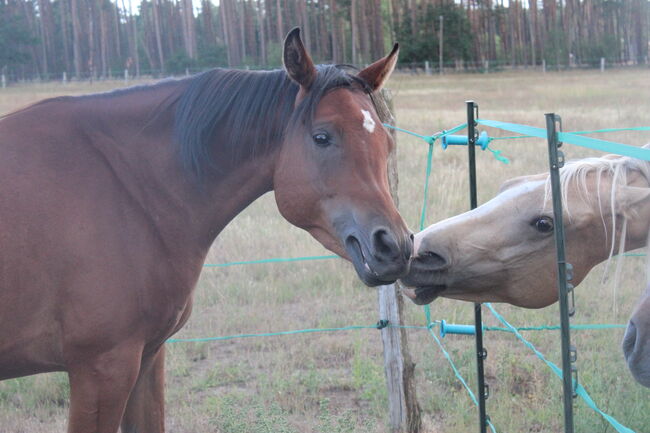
point(404, 411)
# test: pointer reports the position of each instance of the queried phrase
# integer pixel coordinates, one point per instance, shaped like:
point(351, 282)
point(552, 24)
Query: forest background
point(43, 39)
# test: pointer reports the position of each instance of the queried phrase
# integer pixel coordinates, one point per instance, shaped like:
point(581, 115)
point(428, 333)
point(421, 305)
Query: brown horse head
point(331, 173)
point(314, 132)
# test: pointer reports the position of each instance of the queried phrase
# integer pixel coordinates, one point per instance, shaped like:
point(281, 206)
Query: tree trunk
point(280, 27)
point(76, 39)
point(46, 27)
point(365, 46)
point(304, 20)
point(189, 30)
point(117, 29)
point(37, 60)
point(378, 31)
point(103, 41)
point(91, 40)
point(262, 33)
point(63, 13)
point(532, 22)
point(354, 32)
point(337, 55)
point(240, 8)
point(156, 23)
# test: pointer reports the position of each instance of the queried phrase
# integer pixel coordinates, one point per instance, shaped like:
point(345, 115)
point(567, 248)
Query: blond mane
point(574, 176)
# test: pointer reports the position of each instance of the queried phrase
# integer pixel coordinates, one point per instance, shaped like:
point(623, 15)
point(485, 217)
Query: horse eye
point(321, 139)
point(544, 224)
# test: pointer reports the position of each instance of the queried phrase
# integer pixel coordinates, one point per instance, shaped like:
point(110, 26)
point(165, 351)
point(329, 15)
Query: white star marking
point(368, 121)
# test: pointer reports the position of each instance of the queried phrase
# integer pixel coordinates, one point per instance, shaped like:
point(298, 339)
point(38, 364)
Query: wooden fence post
point(403, 408)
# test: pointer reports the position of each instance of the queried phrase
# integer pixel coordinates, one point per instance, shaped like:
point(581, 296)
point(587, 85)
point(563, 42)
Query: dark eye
point(322, 139)
point(544, 224)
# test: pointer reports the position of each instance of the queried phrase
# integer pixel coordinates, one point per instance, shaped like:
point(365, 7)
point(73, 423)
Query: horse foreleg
point(145, 410)
point(99, 388)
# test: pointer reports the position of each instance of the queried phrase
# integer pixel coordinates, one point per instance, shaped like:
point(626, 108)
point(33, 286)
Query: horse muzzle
point(381, 258)
point(636, 354)
point(426, 279)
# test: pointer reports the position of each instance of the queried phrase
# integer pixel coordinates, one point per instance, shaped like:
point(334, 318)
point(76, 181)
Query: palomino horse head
point(331, 173)
point(636, 342)
point(504, 250)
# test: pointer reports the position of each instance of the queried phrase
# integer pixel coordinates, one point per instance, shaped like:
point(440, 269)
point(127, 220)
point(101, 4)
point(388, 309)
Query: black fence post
point(481, 353)
point(564, 271)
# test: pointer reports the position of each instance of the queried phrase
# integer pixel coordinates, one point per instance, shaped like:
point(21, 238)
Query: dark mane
point(226, 116)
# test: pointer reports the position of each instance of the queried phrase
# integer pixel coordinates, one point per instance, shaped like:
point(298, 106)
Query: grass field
point(334, 382)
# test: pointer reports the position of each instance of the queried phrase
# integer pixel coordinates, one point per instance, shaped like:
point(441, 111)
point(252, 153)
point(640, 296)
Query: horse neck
point(187, 213)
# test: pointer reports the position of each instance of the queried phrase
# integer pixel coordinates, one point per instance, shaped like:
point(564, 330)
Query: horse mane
point(246, 112)
point(225, 116)
point(574, 175)
point(576, 172)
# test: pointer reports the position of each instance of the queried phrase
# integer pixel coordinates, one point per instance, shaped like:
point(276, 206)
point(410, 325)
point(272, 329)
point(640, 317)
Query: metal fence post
point(481, 353)
point(564, 271)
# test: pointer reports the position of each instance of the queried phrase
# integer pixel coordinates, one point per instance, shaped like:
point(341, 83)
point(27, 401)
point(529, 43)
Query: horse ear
point(297, 62)
point(377, 74)
point(629, 197)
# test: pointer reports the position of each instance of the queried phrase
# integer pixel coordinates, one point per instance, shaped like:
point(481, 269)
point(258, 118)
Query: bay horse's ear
point(377, 74)
point(297, 62)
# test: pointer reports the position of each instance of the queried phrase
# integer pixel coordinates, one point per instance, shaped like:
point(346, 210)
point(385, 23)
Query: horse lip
point(353, 247)
point(358, 259)
point(422, 295)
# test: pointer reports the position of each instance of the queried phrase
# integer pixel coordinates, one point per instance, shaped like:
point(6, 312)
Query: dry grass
point(334, 382)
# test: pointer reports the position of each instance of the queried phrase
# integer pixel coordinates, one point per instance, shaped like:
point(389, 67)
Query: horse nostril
point(432, 261)
point(412, 237)
point(384, 245)
point(629, 340)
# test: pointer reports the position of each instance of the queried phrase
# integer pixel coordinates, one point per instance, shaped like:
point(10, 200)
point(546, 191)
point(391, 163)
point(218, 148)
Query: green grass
point(333, 382)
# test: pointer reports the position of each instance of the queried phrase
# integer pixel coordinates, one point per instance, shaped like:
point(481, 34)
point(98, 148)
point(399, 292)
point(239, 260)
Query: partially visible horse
point(504, 250)
point(636, 341)
point(110, 203)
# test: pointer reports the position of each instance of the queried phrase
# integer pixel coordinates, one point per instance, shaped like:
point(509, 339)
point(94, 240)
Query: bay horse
point(504, 250)
point(111, 201)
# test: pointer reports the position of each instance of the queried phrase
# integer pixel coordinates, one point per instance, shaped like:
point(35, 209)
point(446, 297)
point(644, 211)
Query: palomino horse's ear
point(628, 198)
point(297, 62)
point(377, 74)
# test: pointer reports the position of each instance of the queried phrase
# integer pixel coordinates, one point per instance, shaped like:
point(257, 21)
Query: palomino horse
point(111, 201)
point(504, 250)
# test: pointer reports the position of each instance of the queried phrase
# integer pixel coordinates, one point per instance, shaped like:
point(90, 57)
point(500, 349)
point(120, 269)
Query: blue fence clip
point(461, 140)
point(449, 328)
